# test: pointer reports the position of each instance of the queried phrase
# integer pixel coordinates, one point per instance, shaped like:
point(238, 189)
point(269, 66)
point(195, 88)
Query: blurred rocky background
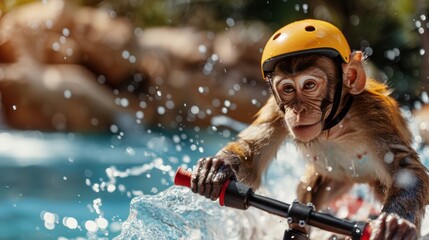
point(89, 65)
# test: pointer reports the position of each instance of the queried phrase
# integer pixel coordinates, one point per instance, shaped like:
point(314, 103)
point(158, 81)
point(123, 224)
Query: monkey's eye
point(308, 85)
point(288, 89)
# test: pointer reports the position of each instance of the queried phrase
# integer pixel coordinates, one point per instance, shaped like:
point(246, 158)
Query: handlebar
point(240, 196)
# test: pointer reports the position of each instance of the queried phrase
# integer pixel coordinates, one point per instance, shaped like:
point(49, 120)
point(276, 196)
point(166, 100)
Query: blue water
point(49, 178)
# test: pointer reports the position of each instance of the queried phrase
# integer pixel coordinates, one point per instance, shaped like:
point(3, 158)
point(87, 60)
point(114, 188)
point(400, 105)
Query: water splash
point(177, 213)
point(113, 174)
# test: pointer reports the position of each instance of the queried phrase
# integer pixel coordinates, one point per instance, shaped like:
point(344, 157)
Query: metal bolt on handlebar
point(299, 213)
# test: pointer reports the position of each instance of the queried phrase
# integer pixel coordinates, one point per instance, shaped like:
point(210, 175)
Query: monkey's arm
point(257, 145)
point(246, 158)
point(408, 193)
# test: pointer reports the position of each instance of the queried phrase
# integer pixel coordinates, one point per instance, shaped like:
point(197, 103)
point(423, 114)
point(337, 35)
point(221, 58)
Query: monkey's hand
point(209, 176)
point(391, 226)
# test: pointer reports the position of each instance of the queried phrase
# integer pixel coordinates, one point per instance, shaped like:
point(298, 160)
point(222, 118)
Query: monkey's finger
point(195, 175)
point(391, 224)
point(217, 164)
point(405, 230)
point(205, 169)
point(198, 175)
point(209, 180)
point(219, 179)
point(378, 227)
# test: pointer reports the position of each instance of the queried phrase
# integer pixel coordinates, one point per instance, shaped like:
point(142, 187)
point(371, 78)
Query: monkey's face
point(302, 95)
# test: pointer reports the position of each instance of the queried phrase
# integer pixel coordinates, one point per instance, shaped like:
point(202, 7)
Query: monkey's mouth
point(307, 132)
point(304, 126)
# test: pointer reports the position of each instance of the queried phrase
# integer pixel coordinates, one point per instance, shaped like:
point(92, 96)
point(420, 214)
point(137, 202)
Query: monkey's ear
point(354, 74)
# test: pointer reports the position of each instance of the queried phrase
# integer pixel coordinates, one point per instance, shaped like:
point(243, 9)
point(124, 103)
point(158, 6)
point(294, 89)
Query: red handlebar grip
point(183, 178)
point(366, 232)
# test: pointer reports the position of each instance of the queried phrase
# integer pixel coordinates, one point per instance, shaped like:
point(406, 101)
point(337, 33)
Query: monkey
point(348, 128)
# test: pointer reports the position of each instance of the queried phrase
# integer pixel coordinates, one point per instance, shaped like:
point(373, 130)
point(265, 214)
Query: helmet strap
point(276, 97)
point(333, 120)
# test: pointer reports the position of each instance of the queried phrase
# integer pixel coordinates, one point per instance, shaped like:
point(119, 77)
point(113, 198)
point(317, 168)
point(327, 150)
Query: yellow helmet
point(306, 36)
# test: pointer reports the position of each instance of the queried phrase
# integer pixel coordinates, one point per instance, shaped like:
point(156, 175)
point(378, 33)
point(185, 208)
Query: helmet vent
point(276, 36)
point(310, 28)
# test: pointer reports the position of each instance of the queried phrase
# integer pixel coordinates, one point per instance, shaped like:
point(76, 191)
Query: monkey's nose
point(297, 110)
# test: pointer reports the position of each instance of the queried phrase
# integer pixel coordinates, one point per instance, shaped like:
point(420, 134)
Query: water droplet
point(230, 22)
point(305, 8)
point(195, 110)
point(111, 188)
point(202, 49)
point(14, 107)
point(186, 159)
point(169, 104)
point(161, 110)
point(297, 7)
point(389, 157)
point(66, 32)
point(216, 102)
point(96, 187)
point(49, 217)
point(102, 223)
point(56, 46)
point(124, 102)
point(405, 178)
point(49, 24)
point(227, 103)
point(214, 57)
point(130, 151)
point(67, 94)
point(139, 114)
point(114, 128)
point(125, 54)
point(91, 226)
point(70, 222)
point(101, 79)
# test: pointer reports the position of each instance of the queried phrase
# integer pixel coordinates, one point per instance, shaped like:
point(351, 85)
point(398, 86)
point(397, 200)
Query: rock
point(61, 97)
point(71, 68)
